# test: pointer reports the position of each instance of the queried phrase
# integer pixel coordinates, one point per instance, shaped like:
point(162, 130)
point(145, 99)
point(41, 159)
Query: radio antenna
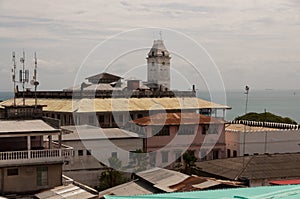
point(22, 76)
point(35, 82)
point(14, 75)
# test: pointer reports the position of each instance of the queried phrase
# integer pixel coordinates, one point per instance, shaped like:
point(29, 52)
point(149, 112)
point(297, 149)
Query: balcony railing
point(34, 156)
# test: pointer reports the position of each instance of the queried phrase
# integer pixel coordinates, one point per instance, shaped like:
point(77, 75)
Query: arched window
point(163, 53)
point(152, 53)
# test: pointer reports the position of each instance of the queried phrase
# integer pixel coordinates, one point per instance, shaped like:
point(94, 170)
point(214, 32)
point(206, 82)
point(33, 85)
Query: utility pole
point(244, 140)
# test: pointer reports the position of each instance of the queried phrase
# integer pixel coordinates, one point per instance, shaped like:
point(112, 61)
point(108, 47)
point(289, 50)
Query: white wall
point(277, 141)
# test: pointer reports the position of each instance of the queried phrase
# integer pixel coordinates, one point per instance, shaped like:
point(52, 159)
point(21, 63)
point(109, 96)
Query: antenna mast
point(22, 76)
point(35, 82)
point(14, 75)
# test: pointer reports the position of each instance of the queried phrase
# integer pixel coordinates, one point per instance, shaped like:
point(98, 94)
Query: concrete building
point(262, 138)
point(116, 112)
point(93, 147)
point(169, 135)
point(158, 66)
point(27, 163)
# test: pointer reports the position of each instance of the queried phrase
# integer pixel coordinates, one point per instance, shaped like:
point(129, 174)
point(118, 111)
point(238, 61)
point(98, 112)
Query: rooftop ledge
point(11, 158)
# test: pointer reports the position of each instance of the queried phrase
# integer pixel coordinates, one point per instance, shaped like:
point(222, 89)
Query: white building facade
point(260, 140)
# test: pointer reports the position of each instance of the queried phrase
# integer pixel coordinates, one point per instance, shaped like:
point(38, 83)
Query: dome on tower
point(158, 49)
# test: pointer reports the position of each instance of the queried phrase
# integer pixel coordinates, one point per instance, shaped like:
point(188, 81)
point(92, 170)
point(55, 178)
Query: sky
point(232, 42)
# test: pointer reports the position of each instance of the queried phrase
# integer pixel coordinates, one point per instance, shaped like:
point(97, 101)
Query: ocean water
point(5, 95)
point(285, 103)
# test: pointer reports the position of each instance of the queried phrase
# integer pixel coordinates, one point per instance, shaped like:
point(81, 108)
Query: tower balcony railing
point(36, 156)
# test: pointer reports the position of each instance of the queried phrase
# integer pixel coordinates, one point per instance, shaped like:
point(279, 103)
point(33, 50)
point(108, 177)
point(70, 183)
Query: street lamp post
point(244, 140)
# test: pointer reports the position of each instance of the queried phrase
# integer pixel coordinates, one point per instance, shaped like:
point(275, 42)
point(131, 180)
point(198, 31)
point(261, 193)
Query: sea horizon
point(282, 102)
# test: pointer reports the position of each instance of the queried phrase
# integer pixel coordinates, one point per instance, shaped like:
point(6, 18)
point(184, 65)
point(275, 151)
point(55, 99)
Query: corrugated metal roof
point(69, 191)
point(119, 104)
point(136, 187)
point(284, 182)
point(7, 126)
point(242, 128)
point(86, 132)
point(273, 166)
point(162, 178)
point(177, 119)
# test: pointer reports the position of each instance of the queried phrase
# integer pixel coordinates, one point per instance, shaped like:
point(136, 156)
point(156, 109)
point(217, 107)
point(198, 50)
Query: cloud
point(239, 35)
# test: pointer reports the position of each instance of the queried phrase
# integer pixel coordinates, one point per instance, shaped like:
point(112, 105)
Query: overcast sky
point(254, 42)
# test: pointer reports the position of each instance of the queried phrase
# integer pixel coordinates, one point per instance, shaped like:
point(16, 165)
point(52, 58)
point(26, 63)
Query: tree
point(189, 161)
point(139, 160)
point(111, 176)
point(266, 117)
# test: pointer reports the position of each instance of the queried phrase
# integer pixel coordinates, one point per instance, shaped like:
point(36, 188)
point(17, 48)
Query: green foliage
point(189, 161)
point(266, 117)
point(139, 160)
point(111, 177)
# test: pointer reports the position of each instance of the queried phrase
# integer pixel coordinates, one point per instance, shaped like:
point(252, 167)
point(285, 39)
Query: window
point(215, 154)
point(120, 118)
point(228, 153)
point(160, 131)
point(163, 63)
point(101, 119)
point(140, 115)
point(89, 152)
point(42, 176)
point(163, 53)
point(152, 158)
point(213, 129)
point(210, 129)
point(178, 156)
point(164, 156)
point(114, 154)
point(205, 128)
point(186, 130)
point(152, 53)
point(13, 172)
point(80, 152)
point(234, 153)
point(203, 154)
point(91, 119)
point(131, 116)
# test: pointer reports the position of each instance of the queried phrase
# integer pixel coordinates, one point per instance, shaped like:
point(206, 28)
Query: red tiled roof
point(177, 119)
point(285, 182)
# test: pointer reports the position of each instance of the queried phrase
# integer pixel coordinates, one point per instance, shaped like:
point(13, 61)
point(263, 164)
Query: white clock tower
point(158, 62)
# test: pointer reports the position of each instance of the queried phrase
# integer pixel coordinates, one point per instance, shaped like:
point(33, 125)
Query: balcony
point(54, 154)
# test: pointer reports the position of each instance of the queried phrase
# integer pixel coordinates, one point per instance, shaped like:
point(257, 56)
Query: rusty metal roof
point(119, 104)
point(177, 119)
